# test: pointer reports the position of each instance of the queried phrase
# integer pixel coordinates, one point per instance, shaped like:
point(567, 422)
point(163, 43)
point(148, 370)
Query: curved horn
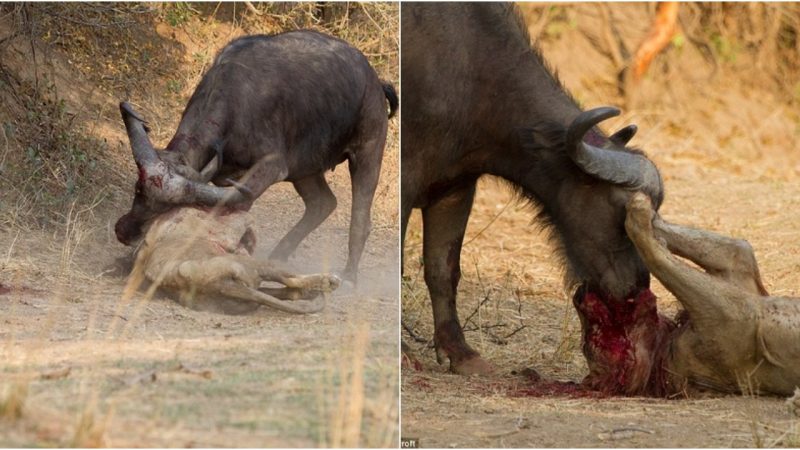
point(210, 170)
point(177, 188)
point(619, 167)
point(624, 135)
point(209, 195)
point(143, 152)
point(204, 176)
point(215, 165)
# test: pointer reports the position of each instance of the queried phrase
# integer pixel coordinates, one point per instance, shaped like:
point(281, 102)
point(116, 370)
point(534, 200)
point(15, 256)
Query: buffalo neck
point(195, 147)
point(200, 128)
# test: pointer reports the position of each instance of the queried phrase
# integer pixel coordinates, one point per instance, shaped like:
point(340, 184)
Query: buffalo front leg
point(722, 256)
point(264, 173)
point(319, 202)
point(712, 302)
point(444, 223)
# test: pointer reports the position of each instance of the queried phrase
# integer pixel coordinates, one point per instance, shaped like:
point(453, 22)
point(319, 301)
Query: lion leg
point(271, 271)
point(236, 290)
point(285, 293)
point(721, 256)
point(710, 300)
point(206, 271)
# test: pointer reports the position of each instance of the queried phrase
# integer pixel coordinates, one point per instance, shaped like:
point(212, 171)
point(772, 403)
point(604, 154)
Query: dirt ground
point(727, 146)
point(88, 369)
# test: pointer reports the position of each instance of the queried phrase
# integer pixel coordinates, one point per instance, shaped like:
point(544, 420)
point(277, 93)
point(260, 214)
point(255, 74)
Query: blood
point(7, 289)
point(413, 364)
point(225, 210)
point(556, 389)
point(625, 342)
point(450, 339)
point(157, 181)
point(422, 384)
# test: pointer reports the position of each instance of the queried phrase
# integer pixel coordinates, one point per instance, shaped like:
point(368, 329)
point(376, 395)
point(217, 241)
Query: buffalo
point(480, 100)
point(285, 107)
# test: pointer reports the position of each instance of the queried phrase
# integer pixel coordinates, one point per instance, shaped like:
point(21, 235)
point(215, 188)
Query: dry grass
point(13, 401)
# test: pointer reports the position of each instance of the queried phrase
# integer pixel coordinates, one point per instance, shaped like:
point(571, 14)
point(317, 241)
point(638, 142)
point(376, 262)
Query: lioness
point(732, 337)
point(206, 259)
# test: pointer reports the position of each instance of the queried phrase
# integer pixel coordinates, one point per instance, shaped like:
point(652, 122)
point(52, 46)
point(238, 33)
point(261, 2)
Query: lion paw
point(319, 282)
point(640, 214)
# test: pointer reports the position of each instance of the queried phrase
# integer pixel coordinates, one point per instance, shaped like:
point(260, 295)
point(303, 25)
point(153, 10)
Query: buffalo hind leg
point(444, 223)
point(319, 203)
point(722, 256)
point(709, 300)
point(365, 168)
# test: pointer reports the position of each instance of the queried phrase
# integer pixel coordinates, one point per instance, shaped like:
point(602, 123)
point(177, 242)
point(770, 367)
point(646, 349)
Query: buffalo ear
point(624, 135)
point(541, 135)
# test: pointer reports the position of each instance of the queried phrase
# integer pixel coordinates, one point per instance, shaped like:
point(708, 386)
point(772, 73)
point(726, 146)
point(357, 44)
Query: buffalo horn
point(175, 186)
point(208, 195)
point(624, 135)
point(213, 166)
point(210, 170)
point(619, 167)
point(143, 152)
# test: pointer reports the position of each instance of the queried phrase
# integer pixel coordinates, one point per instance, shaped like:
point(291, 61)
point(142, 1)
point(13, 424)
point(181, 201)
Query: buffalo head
point(164, 184)
point(589, 211)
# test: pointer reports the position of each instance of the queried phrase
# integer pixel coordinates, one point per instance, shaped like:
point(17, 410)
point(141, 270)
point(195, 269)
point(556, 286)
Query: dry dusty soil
point(154, 373)
point(728, 151)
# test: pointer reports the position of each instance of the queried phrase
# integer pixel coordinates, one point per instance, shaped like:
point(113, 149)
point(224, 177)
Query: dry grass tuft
point(345, 418)
point(12, 402)
point(90, 430)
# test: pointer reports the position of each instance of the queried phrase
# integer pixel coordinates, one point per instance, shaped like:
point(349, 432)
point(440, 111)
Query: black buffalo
point(479, 100)
point(286, 107)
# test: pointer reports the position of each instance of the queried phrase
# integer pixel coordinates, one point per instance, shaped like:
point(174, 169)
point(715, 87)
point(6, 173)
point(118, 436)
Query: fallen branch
point(413, 333)
point(660, 36)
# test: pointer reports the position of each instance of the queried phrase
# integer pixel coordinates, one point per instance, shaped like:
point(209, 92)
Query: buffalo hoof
point(472, 366)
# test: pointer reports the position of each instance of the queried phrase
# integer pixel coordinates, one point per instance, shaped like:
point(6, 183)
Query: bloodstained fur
point(625, 343)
